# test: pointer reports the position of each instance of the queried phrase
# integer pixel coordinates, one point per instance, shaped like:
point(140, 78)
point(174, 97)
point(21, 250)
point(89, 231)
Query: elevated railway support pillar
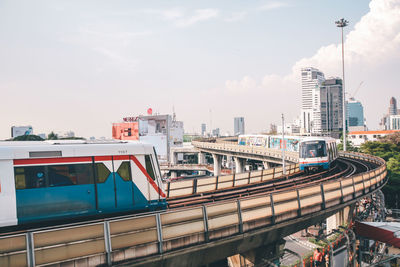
point(267, 165)
point(201, 158)
point(217, 164)
point(174, 174)
point(239, 164)
point(174, 158)
point(265, 255)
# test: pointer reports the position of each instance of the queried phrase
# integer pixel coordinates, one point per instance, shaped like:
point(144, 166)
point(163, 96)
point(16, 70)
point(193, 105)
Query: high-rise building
point(328, 111)
point(311, 79)
point(355, 115)
point(386, 121)
point(238, 126)
point(215, 132)
point(203, 129)
point(393, 106)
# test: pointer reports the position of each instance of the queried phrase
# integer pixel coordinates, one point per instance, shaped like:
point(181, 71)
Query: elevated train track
point(228, 214)
point(342, 167)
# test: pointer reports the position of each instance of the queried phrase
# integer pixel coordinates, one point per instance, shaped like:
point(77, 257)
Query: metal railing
point(202, 185)
point(137, 237)
point(254, 150)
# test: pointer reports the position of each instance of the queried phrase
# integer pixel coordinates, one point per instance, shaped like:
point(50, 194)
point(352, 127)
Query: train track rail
point(341, 168)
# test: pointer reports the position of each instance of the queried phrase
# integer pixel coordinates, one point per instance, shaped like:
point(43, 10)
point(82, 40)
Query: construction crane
point(355, 92)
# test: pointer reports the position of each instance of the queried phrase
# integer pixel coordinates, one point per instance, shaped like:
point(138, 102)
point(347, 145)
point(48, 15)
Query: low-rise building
point(360, 137)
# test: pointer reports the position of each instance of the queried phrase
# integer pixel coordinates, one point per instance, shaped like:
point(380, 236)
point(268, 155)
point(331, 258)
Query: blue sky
point(81, 65)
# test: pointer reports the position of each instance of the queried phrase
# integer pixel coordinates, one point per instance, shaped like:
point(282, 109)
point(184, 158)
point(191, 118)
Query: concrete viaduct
point(199, 235)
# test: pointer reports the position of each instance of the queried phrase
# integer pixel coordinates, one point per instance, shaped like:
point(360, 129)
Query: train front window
point(313, 149)
point(149, 167)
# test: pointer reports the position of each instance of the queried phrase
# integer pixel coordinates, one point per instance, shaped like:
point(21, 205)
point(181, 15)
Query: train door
point(115, 189)
point(123, 182)
point(105, 183)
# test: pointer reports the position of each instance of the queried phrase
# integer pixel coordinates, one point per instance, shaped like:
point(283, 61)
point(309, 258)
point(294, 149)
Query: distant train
point(317, 153)
point(270, 141)
point(42, 181)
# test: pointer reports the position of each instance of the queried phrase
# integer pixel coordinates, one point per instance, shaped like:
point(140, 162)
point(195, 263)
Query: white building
point(238, 127)
point(394, 122)
point(360, 137)
point(311, 79)
point(162, 131)
point(290, 128)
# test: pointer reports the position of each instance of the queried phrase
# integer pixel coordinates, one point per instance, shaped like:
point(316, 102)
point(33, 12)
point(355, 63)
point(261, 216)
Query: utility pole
point(341, 24)
point(283, 146)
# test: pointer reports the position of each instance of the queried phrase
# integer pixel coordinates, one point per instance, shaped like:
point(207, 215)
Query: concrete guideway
point(196, 235)
point(246, 152)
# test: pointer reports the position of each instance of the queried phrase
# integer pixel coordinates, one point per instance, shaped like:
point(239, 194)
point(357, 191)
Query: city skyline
point(82, 66)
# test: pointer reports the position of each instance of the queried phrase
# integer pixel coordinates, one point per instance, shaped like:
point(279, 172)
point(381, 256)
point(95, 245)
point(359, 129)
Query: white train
point(317, 153)
point(270, 141)
point(41, 181)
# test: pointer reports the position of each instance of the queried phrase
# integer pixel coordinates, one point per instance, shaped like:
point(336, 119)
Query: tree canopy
point(28, 137)
point(388, 148)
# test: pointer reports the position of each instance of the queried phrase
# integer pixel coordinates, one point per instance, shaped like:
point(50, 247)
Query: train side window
point(71, 174)
point(30, 177)
point(149, 166)
point(102, 173)
point(124, 171)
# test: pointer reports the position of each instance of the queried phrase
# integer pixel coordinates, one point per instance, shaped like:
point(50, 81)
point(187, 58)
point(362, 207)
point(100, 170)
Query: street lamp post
point(283, 146)
point(341, 24)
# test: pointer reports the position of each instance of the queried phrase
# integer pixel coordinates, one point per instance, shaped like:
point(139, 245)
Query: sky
point(82, 65)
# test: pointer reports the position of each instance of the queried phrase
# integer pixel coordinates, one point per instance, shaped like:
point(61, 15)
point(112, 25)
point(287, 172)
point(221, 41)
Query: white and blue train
point(42, 181)
point(317, 153)
point(270, 141)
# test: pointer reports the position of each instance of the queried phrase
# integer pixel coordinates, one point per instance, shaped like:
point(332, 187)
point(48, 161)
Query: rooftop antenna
point(173, 113)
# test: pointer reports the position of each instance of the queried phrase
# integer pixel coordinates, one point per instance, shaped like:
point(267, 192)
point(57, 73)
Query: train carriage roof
point(70, 148)
point(318, 138)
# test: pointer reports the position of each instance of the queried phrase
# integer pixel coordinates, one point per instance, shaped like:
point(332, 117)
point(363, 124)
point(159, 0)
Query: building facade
point(238, 126)
point(203, 129)
point(328, 108)
point(311, 79)
point(386, 121)
point(357, 138)
point(162, 131)
point(393, 107)
point(394, 122)
point(355, 115)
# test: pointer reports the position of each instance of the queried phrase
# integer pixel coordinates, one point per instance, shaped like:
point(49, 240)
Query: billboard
point(125, 131)
point(21, 130)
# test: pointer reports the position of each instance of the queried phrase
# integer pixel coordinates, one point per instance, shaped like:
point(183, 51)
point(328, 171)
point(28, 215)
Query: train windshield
point(313, 149)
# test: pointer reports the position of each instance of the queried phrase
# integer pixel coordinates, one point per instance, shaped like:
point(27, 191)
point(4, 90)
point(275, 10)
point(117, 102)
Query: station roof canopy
point(386, 232)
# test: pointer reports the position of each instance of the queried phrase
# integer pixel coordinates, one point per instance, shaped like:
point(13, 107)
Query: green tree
point(388, 148)
point(28, 137)
point(349, 145)
point(52, 136)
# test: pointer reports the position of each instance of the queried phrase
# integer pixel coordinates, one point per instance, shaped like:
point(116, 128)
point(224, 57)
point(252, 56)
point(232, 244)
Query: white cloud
point(274, 5)
point(109, 43)
point(374, 41)
point(236, 16)
point(183, 18)
point(199, 15)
